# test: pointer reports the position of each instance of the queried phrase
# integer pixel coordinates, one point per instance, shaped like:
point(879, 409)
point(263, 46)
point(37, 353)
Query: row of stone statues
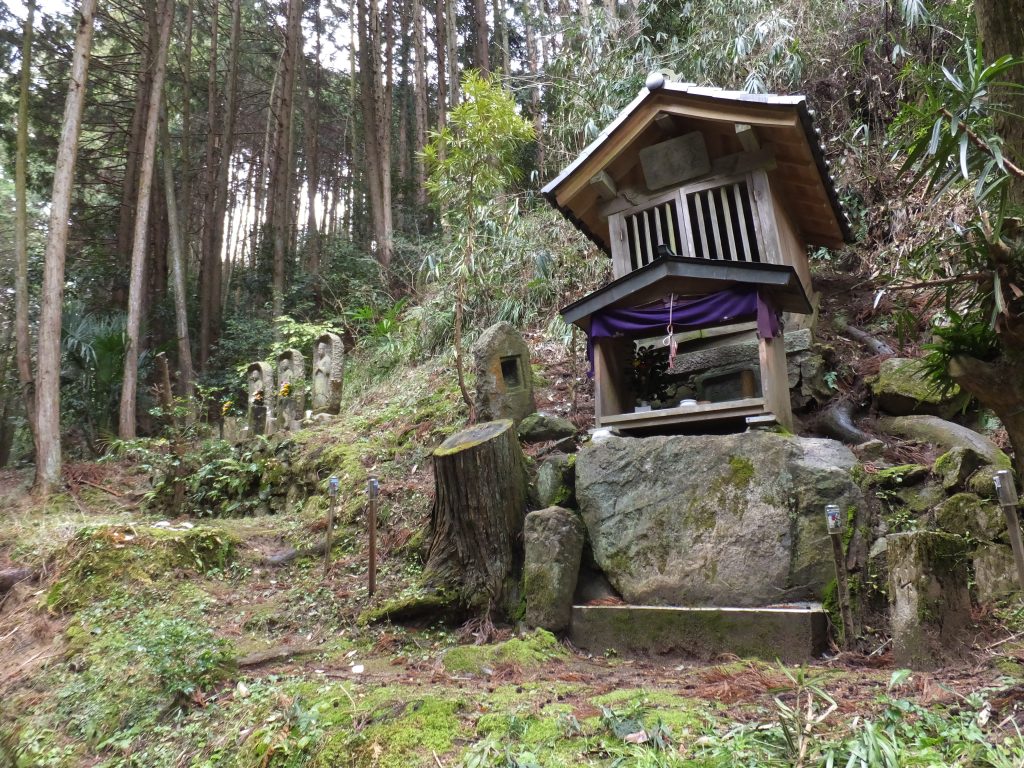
point(272, 407)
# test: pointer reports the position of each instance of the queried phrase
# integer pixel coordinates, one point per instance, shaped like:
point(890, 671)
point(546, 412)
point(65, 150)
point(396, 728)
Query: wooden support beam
point(604, 185)
point(747, 137)
point(775, 380)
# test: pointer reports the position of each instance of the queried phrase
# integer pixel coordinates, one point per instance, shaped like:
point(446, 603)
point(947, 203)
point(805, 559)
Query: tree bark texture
point(481, 33)
point(48, 355)
point(1001, 26)
point(375, 95)
point(178, 269)
point(209, 264)
point(126, 420)
point(998, 385)
point(22, 340)
point(477, 519)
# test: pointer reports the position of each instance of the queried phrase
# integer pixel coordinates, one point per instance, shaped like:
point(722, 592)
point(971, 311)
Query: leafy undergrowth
point(153, 642)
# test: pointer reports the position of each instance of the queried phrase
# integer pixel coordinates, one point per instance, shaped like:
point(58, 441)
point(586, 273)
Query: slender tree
point(48, 447)
point(23, 343)
point(136, 287)
point(178, 269)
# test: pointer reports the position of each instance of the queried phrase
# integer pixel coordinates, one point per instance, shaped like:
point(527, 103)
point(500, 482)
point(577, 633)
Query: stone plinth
point(554, 544)
point(791, 635)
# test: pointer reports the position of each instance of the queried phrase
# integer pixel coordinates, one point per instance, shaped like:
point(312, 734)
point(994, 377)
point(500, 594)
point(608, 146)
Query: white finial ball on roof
point(655, 80)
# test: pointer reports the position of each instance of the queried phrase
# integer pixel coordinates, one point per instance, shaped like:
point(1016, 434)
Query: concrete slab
point(790, 634)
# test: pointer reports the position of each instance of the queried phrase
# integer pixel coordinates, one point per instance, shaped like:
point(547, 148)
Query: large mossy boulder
point(965, 514)
point(901, 388)
point(717, 520)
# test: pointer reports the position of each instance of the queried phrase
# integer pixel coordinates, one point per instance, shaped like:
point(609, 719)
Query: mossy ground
point(169, 645)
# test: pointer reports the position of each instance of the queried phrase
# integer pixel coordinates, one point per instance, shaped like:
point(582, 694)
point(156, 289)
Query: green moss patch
point(100, 559)
point(525, 652)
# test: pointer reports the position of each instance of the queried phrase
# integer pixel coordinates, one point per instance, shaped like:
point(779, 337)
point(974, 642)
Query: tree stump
point(477, 520)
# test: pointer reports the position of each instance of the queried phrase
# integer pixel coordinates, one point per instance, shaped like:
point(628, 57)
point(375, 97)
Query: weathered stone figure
point(328, 373)
point(291, 387)
point(504, 380)
point(260, 404)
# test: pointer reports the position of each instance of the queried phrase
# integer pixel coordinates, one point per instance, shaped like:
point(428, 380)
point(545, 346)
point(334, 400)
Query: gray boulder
point(556, 481)
point(553, 540)
point(714, 520)
point(541, 427)
point(995, 572)
point(945, 434)
point(929, 605)
point(965, 514)
point(956, 466)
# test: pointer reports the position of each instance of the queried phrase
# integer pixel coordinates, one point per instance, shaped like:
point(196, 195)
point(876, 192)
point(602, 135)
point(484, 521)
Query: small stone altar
point(291, 388)
point(328, 373)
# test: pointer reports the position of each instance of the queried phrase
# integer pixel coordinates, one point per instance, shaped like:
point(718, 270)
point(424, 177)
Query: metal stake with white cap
point(1007, 493)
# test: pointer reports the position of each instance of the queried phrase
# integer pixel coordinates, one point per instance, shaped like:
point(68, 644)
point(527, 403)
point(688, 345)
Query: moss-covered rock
point(901, 476)
point(556, 481)
point(965, 514)
point(553, 540)
point(541, 427)
point(954, 467)
point(901, 388)
point(995, 572)
point(526, 652)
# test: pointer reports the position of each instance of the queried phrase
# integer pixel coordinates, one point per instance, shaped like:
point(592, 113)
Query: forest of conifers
point(208, 178)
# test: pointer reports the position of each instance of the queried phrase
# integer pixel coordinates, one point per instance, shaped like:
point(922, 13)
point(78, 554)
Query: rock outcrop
point(714, 520)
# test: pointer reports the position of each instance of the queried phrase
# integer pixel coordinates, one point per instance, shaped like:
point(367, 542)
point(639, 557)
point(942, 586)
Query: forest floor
point(144, 641)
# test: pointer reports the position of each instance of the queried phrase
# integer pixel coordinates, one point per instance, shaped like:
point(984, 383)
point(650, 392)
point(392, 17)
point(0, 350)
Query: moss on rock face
point(902, 388)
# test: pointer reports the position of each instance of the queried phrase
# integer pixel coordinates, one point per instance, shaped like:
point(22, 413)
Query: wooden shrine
point(706, 200)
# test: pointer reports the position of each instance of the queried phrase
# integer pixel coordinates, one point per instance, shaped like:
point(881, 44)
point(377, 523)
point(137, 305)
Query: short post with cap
point(332, 491)
point(834, 522)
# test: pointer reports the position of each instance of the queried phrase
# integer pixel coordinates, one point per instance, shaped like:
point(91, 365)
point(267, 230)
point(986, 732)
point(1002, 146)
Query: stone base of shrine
point(789, 634)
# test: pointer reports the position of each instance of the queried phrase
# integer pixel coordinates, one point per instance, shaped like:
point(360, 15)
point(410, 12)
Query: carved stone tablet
point(260, 402)
point(674, 161)
point(291, 388)
point(504, 379)
point(328, 373)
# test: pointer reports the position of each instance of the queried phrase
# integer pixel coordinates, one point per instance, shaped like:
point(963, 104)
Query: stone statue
point(291, 387)
point(328, 373)
point(260, 404)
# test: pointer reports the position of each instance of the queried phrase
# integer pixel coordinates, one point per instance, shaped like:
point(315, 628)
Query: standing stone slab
point(995, 572)
point(328, 373)
point(260, 401)
point(554, 545)
point(556, 481)
point(714, 520)
point(291, 388)
point(929, 605)
point(504, 380)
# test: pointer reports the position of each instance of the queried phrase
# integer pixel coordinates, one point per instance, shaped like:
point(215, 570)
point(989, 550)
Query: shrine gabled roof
point(783, 123)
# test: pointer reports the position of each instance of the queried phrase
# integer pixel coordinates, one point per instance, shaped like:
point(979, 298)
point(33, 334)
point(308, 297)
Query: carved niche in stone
point(328, 373)
point(291, 387)
point(504, 380)
point(260, 402)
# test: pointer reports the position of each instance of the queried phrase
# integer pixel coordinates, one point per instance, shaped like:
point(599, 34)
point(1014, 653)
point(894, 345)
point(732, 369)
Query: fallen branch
point(274, 654)
point(875, 345)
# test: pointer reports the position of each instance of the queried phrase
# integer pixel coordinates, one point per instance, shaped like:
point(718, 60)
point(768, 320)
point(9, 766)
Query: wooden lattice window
point(647, 229)
point(722, 223)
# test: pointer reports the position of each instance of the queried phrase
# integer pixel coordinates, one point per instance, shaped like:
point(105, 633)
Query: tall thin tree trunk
point(281, 171)
point(209, 264)
point(420, 96)
point(452, 34)
point(312, 126)
point(178, 270)
point(48, 459)
point(185, 209)
point(23, 342)
point(481, 35)
point(126, 422)
point(441, 47)
point(376, 102)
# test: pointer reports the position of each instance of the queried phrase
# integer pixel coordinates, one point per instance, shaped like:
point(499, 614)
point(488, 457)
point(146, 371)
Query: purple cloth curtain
point(732, 305)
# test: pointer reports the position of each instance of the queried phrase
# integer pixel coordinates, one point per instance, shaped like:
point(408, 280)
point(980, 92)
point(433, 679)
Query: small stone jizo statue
point(328, 372)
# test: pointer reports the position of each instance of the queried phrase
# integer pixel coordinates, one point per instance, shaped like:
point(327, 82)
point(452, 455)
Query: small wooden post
point(372, 488)
point(835, 531)
point(1007, 493)
point(332, 490)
